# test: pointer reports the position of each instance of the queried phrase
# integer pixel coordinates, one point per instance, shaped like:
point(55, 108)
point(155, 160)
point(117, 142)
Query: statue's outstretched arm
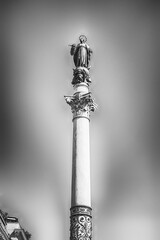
point(91, 51)
point(73, 49)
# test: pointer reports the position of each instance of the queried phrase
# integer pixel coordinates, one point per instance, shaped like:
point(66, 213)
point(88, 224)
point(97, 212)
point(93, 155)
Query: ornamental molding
point(81, 210)
point(81, 223)
point(81, 104)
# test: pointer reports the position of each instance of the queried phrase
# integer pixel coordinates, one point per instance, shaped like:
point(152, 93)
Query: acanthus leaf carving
point(81, 104)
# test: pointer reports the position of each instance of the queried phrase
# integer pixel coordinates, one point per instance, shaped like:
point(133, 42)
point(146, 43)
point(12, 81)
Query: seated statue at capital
point(81, 55)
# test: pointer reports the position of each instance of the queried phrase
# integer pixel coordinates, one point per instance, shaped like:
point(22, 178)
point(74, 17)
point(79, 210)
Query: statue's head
point(82, 39)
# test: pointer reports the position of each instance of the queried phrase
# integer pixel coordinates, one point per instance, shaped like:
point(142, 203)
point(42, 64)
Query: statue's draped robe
point(81, 55)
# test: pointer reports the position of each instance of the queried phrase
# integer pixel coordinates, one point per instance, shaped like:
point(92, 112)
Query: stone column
point(82, 104)
point(81, 155)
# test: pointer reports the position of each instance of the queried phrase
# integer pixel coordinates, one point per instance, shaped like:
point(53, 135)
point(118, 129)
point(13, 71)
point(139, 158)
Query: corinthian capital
point(81, 104)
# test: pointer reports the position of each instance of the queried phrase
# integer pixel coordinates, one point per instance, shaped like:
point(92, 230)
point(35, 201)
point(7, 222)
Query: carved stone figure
point(81, 53)
point(81, 74)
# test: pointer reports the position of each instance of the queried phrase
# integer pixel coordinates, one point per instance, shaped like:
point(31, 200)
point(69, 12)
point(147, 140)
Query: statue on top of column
point(81, 55)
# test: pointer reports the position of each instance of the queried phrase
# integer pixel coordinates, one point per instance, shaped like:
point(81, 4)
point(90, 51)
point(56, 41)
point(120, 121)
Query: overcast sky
point(36, 123)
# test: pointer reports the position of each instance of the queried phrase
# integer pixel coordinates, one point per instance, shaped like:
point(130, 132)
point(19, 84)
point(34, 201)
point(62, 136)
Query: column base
point(81, 223)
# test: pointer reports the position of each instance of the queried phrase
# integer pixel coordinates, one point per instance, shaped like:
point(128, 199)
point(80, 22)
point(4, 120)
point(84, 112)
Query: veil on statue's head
point(83, 38)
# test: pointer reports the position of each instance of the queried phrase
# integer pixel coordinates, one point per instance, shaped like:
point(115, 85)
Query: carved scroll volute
point(81, 104)
point(81, 223)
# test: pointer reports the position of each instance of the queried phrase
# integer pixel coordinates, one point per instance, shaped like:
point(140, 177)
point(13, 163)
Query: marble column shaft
point(81, 189)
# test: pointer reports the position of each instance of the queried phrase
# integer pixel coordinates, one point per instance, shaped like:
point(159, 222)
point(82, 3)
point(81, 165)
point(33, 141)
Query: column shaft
point(81, 193)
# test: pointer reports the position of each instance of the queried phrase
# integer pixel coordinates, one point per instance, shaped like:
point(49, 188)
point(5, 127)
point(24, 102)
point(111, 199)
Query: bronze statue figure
point(81, 53)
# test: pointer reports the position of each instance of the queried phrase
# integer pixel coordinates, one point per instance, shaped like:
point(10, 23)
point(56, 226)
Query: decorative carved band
point(81, 210)
point(81, 223)
point(81, 104)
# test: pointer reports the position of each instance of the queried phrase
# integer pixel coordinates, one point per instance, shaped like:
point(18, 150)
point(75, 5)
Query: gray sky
point(36, 124)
